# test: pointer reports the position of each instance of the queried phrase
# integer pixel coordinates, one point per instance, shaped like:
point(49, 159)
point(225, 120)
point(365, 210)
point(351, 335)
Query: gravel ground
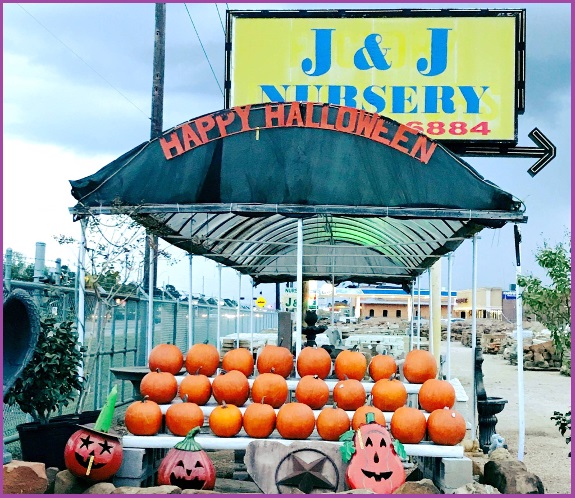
point(546, 453)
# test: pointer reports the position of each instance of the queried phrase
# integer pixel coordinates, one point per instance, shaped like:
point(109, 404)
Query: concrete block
point(455, 472)
point(134, 463)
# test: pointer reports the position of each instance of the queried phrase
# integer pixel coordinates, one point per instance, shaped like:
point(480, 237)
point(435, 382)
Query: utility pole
point(156, 122)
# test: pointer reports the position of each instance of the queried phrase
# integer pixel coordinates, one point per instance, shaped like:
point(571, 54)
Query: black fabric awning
point(380, 201)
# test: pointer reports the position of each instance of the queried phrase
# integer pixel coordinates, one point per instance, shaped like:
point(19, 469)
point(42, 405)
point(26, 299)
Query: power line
point(202, 45)
point(70, 49)
point(221, 22)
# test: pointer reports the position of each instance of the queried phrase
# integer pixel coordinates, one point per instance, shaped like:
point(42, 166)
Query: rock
point(68, 484)
point(423, 487)
point(511, 477)
point(500, 454)
point(474, 488)
point(528, 364)
point(538, 358)
point(153, 490)
point(199, 492)
point(234, 486)
point(101, 488)
point(25, 478)
point(51, 473)
point(357, 492)
point(278, 463)
point(470, 446)
point(478, 462)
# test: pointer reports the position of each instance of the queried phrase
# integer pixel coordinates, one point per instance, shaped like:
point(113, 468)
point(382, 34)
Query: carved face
point(187, 470)
point(93, 455)
point(374, 465)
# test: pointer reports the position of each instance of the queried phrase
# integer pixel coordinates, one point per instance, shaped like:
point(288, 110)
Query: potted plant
point(48, 383)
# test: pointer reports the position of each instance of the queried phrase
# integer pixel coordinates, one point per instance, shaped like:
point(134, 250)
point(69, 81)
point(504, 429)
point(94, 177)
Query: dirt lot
point(545, 392)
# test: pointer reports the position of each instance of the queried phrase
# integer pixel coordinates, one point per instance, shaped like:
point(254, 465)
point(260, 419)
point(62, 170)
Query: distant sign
point(261, 301)
point(454, 75)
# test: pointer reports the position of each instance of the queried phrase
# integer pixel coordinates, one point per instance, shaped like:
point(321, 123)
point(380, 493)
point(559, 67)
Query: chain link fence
point(116, 336)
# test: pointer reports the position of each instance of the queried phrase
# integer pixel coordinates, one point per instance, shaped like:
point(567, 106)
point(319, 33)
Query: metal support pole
point(435, 292)
point(149, 336)
point(190, 306)
point(252, 319)
point(474, 335)
point(519, 324)
point(448, 363)
point(8, 269)
point(419, 312)
point(219, 321)
point(299, 278)
point(81, 279)
point(238, 312)
point(411, 318)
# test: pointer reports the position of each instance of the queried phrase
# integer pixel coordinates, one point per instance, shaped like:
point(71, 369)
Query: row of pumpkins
point(296, 420)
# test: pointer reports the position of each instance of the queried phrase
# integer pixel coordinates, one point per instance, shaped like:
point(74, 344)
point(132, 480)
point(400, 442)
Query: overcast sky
point(77, 94)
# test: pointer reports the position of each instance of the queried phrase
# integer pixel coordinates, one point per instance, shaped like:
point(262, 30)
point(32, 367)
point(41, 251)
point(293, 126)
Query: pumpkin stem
point(316, 376)
point(370, 417)
point(224, 404)
point(281, 340)
point(158, 370)
point(198, 370)
point(206, 341)
point(273, 370)
point(185, 398)
point(189, 443)
point(146, 398)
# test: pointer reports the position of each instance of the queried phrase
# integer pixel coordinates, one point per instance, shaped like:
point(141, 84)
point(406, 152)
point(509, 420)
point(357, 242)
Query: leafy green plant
point(51, 380)
point(563, 422)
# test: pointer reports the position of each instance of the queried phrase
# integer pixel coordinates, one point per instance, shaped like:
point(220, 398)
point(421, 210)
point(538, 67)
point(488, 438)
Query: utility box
point(285, 329)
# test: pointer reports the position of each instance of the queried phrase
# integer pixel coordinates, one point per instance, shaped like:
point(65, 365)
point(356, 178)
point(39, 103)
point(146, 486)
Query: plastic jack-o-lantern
point(373, 461)
point(187, 465)
point(92, 453)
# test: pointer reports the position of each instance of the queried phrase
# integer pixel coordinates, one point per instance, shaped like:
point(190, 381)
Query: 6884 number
point(455, 128)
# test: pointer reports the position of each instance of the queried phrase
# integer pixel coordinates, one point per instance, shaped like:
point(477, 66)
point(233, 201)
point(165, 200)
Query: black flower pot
point(46, 442)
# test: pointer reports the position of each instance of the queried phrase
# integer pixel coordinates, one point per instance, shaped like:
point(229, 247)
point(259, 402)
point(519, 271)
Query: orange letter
point(276, 113)
point(425, 153)
point(294, 115)
point(323, 121)
point(188, 136)
point(203, 125)
point(400, 137)
point(174, 143)
point(309, 116)
point(365, 124)
point(223, 120)
point(380, 128)
point(244, 113)
point(352, 119)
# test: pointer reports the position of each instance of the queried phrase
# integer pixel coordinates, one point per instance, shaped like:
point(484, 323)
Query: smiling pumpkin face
point(93, 455)
point(374, 465)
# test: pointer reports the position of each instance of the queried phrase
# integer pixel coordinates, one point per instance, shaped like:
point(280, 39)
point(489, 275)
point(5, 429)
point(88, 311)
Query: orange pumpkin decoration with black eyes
point(239, 359)
point(166, 357)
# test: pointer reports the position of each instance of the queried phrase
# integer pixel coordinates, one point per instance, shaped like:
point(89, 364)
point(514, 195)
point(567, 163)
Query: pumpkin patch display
point(419, 366)
point(272, 387)
point(408, 425)
point(435, 394)
point(203, 359)
point(382, 366)
point(374, 463)
point(350, 364)
point(94, 454)
point(225, 420)
point(181, 418)
point(232, 387)
point(313, 361)
point(446, 427)
point(259, 420)
point(295, 421)
point(312, 391)
point(143, 418)
point(187, 465)
point(359, 416)
point(332, 422)
point(349, 394)
point(388, 394)
point(275, 359)
point(161, 387)
point(167, 358)
point(239, 359)
point(197, 388)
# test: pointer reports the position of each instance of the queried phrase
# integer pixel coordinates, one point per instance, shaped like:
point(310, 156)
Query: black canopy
point(380, 201)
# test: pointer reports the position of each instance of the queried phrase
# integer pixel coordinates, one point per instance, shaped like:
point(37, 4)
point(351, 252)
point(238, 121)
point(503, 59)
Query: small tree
point(551, 304)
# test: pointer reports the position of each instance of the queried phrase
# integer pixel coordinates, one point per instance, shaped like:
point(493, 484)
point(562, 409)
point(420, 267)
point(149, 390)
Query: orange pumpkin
point(166, 357)
point(408, 425)
point(359, 416)
point(225, 420)
point(332, 422)
point(382, 366)
point(313, 361)
point(259, 420)
point(143, 418)
point(388, 395)
point(349, 394)
point(232, 387)
point(435, 394)
point(277, 358)
point(197, 388)
point(295, 421)
point(239, 359)
point(446, 427)
point(350, 364)
point(419, 366)
point(181, 418)
point(312, 391)
point(272, 387)
point(203, 358)
point(161, 387)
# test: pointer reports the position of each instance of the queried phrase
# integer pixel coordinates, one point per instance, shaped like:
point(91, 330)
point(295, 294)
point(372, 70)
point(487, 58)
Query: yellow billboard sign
point(451, 76)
